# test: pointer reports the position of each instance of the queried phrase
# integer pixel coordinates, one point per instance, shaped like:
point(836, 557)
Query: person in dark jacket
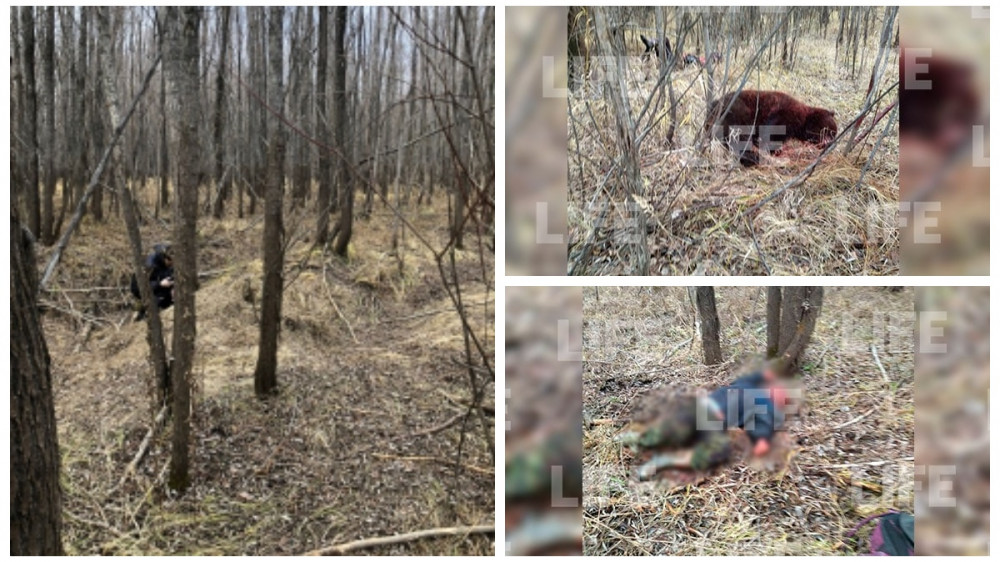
point(692, 432)
point(160, 266)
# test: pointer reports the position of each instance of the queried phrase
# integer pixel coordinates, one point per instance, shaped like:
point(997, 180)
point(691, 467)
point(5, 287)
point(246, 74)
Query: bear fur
point(938, 102)
point(771, 117)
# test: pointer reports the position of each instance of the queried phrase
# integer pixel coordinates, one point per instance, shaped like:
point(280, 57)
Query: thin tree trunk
point(48, 144)
point(222, 190)
point(340, 117)
point(323, 129)
point(773, 320)
point(35, 498)
point(709, 325)
point(265, 375)
point(629, 184)
point(95, 178)
point(30, 119)
point(181, 60)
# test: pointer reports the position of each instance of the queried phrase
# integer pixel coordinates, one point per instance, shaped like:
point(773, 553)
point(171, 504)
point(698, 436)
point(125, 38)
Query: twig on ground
point(143, 446)
point(854, 464)
point(462, 403)
point(396, 539)
point(336, 308)
point(471, 467)
point(888, 383)
point(855, 420)
point(440, 427)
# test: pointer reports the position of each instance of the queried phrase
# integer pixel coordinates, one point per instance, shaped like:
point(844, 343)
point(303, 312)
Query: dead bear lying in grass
point(772, 117)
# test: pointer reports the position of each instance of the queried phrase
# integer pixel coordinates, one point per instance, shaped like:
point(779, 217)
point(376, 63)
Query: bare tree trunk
point(154, 328)
point(181, 60)
point(164, 192)
point(30, 119)
point(340, 117)
point(709, 325)
point(629, 179)
point(35, 498)
point(222, 189)
point(800, 309)
point(323, 129)
point(80, 107)
point(48, 143)
point(265, 375)
point(773, 320)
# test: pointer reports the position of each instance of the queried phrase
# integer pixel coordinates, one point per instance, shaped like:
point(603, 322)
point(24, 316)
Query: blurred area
point(944, 140)
point(952, 480)
point(544, 438)
point(535, 78)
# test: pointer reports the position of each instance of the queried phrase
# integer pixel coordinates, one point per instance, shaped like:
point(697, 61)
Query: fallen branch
point(888, 382)
point(855, 420)
point(852, 465)
point(144, 446)
point(472, 467)
point(463, 403)
point(95, 178)
point(336, 308)
point(397, 539)
point(85, 336)
point(440, 427)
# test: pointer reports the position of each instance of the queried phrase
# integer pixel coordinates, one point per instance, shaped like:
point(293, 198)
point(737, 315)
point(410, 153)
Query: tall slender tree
point(154, 328)
point(48, 136)
point(323, 128)
point(181, 62)
point(30, 139)
point(265, 376)
point(221, 184)
point(340, 122)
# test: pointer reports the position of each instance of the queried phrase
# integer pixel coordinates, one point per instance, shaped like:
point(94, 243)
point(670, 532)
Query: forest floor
point(699, 202)
point(370, 356)
point(846, 454)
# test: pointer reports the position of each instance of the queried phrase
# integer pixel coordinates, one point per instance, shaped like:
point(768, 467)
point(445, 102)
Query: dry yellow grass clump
point(708, 215)
point(371, 354)
point(847, 452)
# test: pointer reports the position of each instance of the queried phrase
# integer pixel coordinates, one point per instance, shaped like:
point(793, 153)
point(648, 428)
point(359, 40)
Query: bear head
point(820, 127)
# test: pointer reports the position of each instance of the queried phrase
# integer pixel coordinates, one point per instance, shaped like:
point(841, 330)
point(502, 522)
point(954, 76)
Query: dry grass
point(697, 199)
point(321, 463)
point(637, 341)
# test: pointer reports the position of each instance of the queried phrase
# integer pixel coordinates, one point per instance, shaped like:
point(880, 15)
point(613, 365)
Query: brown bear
point(938, 103)
point(771, 117)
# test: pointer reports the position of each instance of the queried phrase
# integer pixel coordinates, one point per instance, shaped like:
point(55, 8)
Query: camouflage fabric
point(528, 473)
point(712, 449)
point(676, 429)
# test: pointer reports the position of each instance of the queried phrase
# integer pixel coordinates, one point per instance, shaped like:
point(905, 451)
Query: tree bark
point(181, 61)
point(35, 498)
point(323, 129)
point(222, 189)
point(48, 144)
point(154, 328)
point(800, 309)
point(773, 320)
point(265, 375)
point(709, 325)
point(629, 180)
point(30, 186)
point(340, 118)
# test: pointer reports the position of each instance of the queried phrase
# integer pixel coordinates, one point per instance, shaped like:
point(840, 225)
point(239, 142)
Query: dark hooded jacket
point(747, 404)
point(158, 269)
